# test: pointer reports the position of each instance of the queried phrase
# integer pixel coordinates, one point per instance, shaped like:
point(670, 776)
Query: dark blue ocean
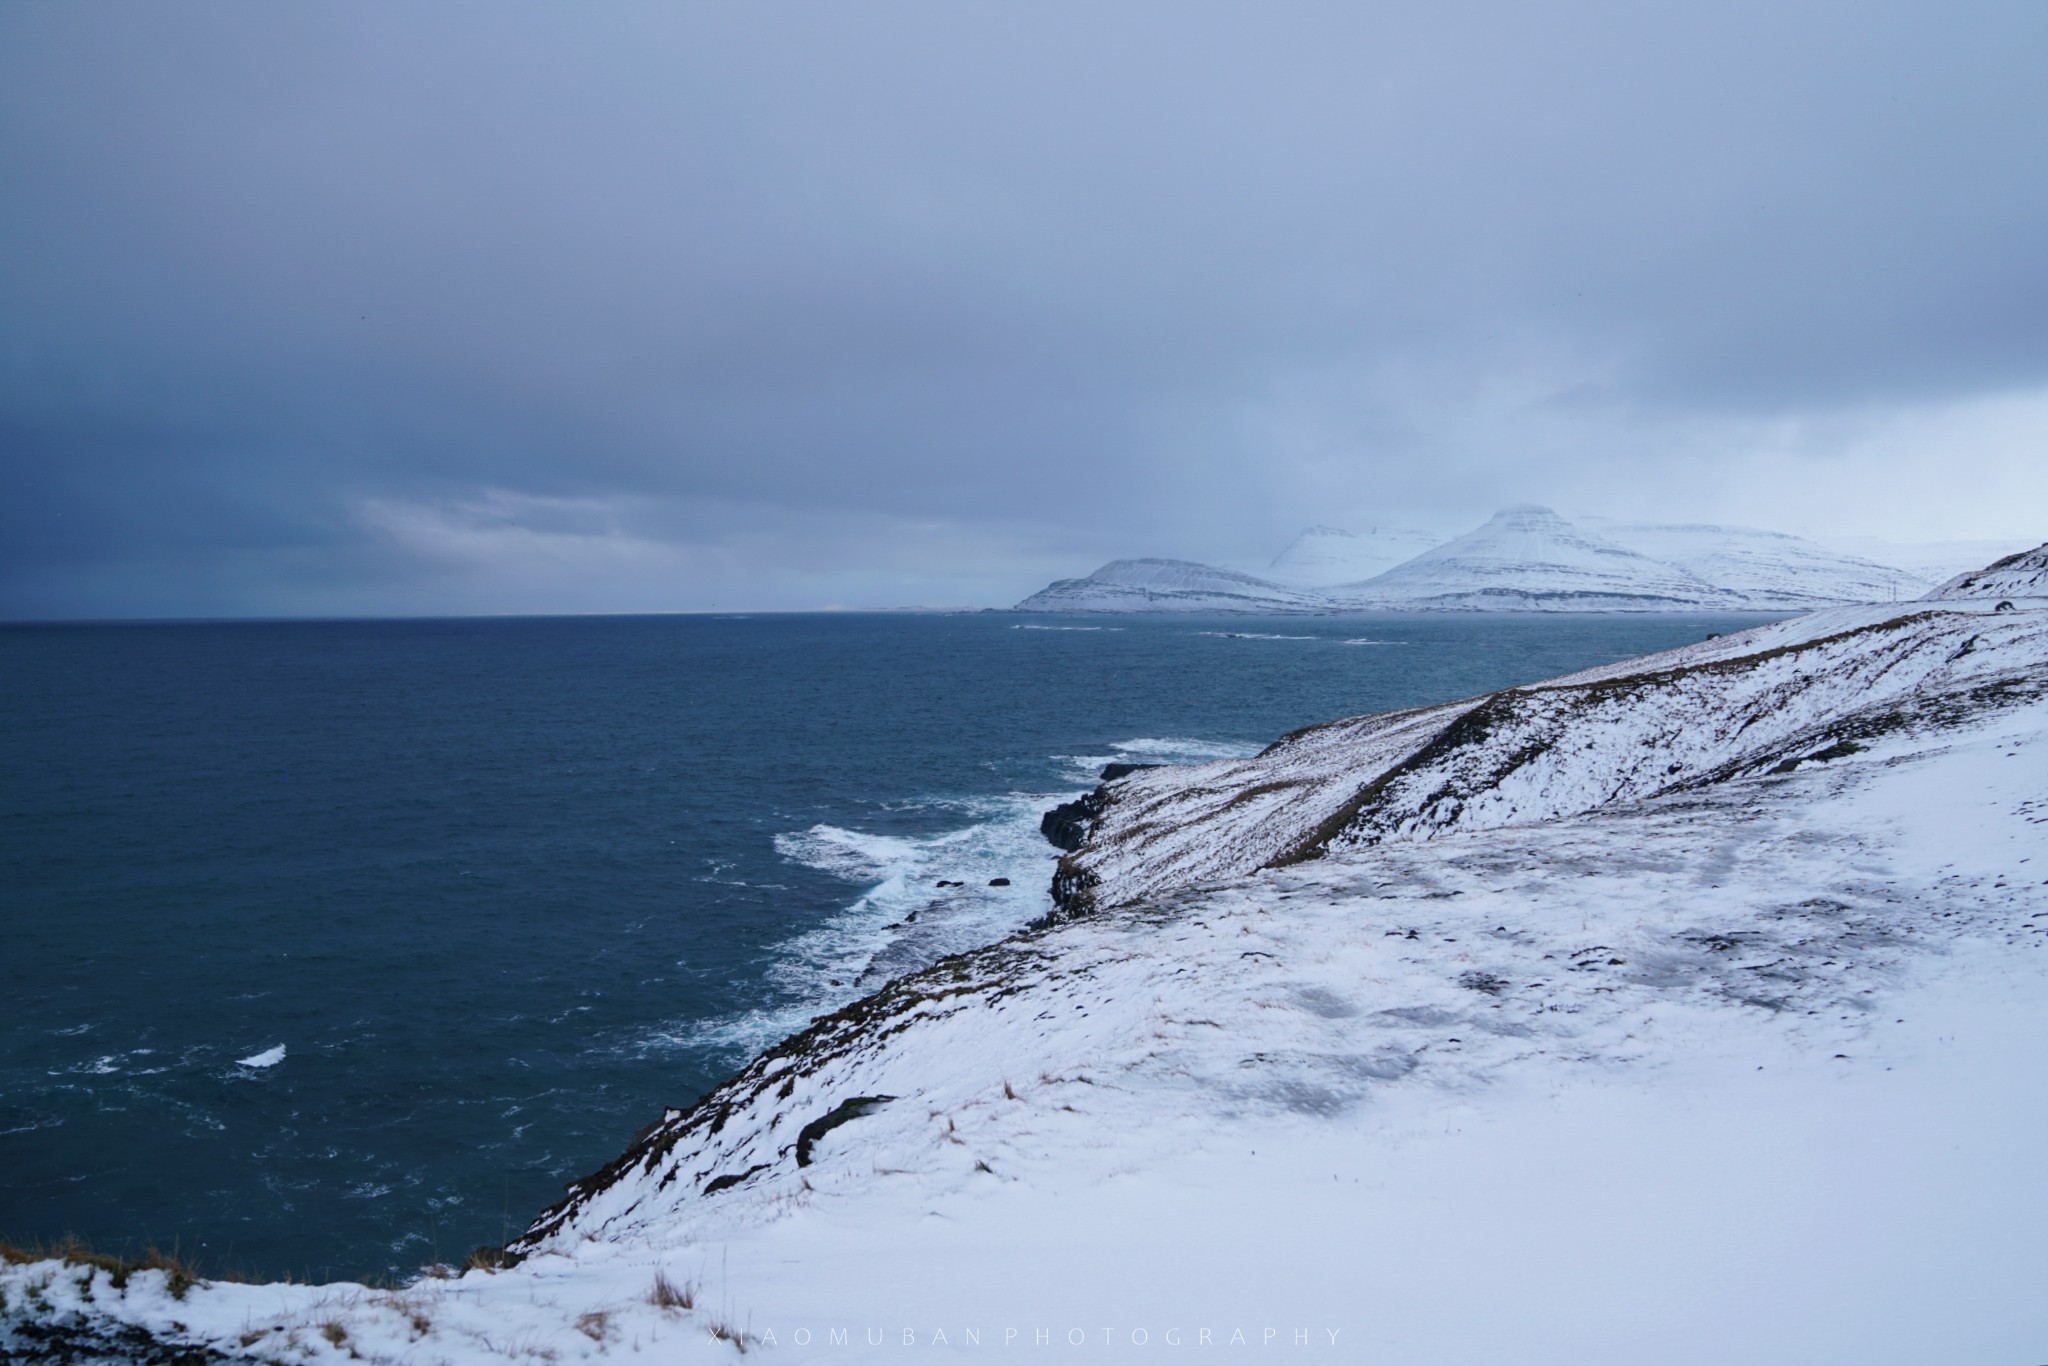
point(328, 947)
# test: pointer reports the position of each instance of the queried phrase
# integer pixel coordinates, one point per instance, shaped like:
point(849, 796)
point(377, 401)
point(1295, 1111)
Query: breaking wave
point(902, 919)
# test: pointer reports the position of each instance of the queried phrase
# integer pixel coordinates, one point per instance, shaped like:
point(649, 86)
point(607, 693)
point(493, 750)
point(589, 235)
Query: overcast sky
point(477, 308)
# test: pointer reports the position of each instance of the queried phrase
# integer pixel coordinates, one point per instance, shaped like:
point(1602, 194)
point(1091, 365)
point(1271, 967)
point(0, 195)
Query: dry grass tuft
point(668, 1295)
point(180, 1274)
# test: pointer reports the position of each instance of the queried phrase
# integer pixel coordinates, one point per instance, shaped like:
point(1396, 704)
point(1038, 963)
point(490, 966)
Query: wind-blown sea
point(336, 948)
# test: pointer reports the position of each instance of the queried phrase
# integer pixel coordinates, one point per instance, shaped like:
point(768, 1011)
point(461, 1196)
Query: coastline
point(1767, 911)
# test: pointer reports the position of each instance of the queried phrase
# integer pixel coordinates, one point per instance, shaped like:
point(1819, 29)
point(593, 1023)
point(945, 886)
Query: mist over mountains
point(1526, 558)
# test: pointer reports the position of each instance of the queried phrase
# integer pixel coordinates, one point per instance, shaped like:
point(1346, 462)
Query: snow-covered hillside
point(1530, 559)
point(1770, 570)
point(1169, 586)
point(1713, 980)
point(1322, 555)
point(2017, 578)
point(1701, 715)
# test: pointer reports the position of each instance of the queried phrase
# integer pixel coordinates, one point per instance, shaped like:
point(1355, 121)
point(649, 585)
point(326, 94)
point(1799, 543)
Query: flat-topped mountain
point(1169, 586)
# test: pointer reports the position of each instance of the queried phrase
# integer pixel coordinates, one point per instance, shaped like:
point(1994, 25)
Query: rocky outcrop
point(1066, 826)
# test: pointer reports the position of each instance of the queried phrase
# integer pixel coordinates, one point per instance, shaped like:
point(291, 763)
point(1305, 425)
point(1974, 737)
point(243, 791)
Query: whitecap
point(901, 921)
point(1252, 635)
point(269, 1057)
point(1185, 751)
point(1087, 768)
point(851, 854)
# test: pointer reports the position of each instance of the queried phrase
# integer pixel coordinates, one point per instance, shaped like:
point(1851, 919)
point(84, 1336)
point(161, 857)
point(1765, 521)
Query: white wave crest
point(269, 1057)
point(850, 854)
point(1182, 751)
point(902, 921)
point(1252, 635)
point(1087, 768)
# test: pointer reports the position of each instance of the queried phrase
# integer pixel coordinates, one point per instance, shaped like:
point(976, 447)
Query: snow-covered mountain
point(1324, 555)
point(1661, 966)
point(1525, 559)
point(1769, 569)
point(1169, 586)
point(1530, 559)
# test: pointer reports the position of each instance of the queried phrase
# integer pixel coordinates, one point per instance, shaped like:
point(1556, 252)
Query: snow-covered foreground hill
point(1687, 1010)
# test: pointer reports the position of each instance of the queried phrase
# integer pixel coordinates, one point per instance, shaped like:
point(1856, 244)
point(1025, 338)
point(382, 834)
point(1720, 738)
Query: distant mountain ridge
point(1325, 555)
point(1170, 586)
point(1525, 558)
point(1787, 569)
point(1528, 558)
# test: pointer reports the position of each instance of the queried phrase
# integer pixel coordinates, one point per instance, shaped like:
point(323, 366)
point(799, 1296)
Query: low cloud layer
point(472, 308)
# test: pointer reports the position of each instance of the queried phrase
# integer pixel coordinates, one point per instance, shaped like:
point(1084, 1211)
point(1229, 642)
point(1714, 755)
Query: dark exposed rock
point(1068, 824)
point(839, 1114)
point(999, 882)
point(79, 1342)
point(731, 1179)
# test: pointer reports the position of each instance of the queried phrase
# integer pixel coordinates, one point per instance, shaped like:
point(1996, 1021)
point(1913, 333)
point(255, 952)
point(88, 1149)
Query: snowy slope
point(2017, 577)
point(1322, 555)
point(1665, 723)
point(1169, 586)
point(1530, 559)
point(1770, 570)
point(1711, 979)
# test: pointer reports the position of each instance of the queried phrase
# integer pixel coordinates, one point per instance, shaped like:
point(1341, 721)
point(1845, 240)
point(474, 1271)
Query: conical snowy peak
point(2024, 575)
point(1325, 555)
point(1529, 557)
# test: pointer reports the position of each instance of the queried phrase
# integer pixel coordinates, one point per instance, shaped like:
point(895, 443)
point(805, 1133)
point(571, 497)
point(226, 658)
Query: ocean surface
point(333, 948)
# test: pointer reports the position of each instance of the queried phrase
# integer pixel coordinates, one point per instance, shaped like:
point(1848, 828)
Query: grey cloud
point(1096, 279)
